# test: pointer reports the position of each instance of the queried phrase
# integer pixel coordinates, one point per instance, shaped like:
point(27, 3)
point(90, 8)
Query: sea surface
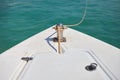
point(20, 19)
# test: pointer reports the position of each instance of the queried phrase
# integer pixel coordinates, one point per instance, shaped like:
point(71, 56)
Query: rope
point(83, 17)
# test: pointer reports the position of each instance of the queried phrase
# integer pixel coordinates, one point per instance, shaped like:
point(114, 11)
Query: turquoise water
point(20, 19)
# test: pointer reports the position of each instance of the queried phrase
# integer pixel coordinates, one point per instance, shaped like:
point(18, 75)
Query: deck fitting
point(55, 39)
point(60, 27)
point(91, 67)
point(27, 58)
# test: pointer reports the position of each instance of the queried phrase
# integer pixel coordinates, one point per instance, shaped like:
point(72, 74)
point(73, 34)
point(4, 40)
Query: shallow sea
point(20, 19)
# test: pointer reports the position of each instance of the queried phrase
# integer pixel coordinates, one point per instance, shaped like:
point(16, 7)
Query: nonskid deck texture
point(106, 56)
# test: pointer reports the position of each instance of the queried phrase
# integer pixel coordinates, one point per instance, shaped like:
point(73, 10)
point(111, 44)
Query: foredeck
point(10, 60)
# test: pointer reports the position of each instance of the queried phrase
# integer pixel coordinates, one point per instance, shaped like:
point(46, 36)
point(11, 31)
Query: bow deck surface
point(13, 67)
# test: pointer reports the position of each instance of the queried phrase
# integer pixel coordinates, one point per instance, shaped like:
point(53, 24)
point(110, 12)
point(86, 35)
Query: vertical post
point(59, 28)
point(59, 40)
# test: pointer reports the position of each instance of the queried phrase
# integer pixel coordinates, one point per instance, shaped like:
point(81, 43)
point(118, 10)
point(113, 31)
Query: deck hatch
point(67, 66)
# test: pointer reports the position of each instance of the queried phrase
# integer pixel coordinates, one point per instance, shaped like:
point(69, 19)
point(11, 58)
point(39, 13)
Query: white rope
point(82, 19)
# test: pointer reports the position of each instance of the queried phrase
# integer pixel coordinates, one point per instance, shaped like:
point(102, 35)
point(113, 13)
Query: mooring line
point(83, 17)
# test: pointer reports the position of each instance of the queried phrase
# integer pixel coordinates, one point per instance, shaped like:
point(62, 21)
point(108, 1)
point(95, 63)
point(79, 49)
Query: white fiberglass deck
point(11, 65)
point(68, 66)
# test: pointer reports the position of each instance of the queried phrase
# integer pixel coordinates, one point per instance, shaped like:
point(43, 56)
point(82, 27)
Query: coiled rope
point(83, 17)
